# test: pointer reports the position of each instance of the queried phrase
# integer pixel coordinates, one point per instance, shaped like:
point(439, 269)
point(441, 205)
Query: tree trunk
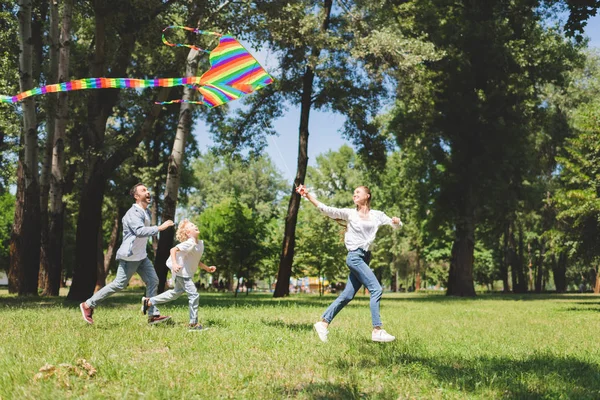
point(515, 259)
point(51, 101)
point(597, 283)
point(559, 272)
point(25, 238)
point(418, 271)
point(88, 225)
point(505, 260)
point(154, 209)
point(114, 239)
point(100, 107)
point(165, 242)
point(289, 236)
point(520, 262)
point(539, 270)
point(2, 149)
point(100, 274)
point(460, 278)
point(57, 179)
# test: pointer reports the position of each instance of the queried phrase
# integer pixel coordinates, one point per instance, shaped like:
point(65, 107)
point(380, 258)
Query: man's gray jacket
point(134, 226)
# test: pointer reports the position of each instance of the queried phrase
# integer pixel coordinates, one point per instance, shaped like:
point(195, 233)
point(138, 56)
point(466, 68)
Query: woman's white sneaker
point(321, 330)
point(380, 335)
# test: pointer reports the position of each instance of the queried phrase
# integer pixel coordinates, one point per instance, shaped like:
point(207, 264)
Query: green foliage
point(255, 182)
point(7, 214)
point(341, 57)
point(578, 198)
point(10, 121)
point(233, 236)
point(320, 247)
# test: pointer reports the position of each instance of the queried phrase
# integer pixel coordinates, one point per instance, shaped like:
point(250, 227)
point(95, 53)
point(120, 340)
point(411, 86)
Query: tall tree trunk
point(418, 271)
point(505, 260)
point(88, 225)
point(154, 209)
point(51, 101)
point(114, 239)
point(516, 260)
point(38, 25)
point(2, 148)
point(539, 270)
point(559, 272)
point(289, 236)
point(460, 278)
point(57, 178)
point(511, 255)
point(520, 264)
point(165, 242)
point(100, 105)
point(100, 274)
point(597, 283)
point(25, 238)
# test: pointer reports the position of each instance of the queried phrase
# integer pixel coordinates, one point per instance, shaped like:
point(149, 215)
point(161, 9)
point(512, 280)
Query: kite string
point(190, 46)
point(280, 154)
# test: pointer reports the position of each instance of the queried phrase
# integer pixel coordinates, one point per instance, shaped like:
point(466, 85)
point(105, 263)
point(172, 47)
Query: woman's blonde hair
point(181, 234)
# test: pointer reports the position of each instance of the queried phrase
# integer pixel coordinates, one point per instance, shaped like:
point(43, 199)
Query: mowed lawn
point(257, 347)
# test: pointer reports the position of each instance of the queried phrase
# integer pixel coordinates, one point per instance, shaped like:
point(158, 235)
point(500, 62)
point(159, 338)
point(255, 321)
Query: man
point(132, 256)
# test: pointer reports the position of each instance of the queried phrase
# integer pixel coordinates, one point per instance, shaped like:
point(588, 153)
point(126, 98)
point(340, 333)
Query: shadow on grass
point(583, 309)
point(541, 375)
point(132, 297)
point(323, 391)
point(292, 326)
point(441, 298)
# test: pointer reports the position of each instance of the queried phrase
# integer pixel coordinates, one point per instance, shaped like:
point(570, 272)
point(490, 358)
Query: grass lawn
point(493, 346)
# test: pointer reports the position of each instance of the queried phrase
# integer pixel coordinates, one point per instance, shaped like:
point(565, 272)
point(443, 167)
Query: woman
point(361, 228)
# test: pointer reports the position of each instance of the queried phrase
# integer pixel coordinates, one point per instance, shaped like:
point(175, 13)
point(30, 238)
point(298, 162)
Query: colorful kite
point(233, 73)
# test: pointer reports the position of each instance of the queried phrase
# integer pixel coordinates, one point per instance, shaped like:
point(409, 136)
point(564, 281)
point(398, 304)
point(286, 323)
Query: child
point(184, 262)
point(361, 228)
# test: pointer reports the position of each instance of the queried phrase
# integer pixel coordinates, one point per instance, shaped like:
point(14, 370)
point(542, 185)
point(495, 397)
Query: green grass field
point(493, 346)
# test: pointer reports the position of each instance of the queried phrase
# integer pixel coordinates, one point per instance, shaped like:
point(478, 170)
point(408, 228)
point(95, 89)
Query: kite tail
point(102, 83)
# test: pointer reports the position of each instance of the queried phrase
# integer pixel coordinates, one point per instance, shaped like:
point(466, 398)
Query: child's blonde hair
point(181, 234)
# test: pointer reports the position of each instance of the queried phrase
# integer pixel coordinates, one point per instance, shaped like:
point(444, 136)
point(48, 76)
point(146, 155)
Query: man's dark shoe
point(145, 305)
point(158, 319)
point(196, 328)
point(87, 313)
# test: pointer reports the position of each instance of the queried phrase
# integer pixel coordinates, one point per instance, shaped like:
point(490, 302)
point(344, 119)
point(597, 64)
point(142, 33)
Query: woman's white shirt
point(360, 233)
point(188, 257)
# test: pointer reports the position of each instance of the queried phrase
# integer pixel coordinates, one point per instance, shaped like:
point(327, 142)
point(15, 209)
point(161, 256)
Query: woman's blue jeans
point(360, 274)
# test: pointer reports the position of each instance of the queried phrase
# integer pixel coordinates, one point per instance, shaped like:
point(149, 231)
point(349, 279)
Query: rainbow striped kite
point(233, 73)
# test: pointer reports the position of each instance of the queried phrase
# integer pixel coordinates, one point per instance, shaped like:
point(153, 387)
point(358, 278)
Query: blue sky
point(324, 128)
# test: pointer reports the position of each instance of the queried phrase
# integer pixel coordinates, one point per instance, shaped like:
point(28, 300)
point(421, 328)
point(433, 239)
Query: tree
point(25, 240)
point(10, 120)
point(578, 198)
point(123, 24)
point(319, 50)
point(7, 213)
point(174, 171)
point(254, 184)
point(233, 235)
point(479, 106)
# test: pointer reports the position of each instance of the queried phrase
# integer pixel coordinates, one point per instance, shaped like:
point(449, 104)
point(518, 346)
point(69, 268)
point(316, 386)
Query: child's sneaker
point(321, 330)
point(196, 328)
point(380, 335)
point(145, 305)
